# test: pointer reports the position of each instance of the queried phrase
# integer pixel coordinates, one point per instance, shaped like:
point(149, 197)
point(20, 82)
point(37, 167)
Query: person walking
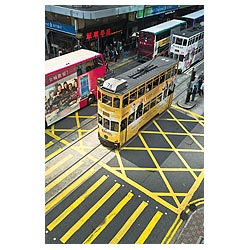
point(107, 66)
point(202, 88)
point(194, 93)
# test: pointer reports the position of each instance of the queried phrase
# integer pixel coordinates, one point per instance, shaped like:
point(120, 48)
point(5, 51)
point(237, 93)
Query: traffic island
point(186, 105)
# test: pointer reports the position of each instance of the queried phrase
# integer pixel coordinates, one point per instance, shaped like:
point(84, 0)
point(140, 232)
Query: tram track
point(75, 160)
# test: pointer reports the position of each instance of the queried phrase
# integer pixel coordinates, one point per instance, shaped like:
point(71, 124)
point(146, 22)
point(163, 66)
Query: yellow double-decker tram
point(129, 101)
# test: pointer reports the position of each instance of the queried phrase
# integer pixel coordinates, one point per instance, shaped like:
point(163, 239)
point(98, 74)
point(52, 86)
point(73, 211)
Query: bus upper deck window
point(116, 102)
point(184, 42)
point(125, 101)
point(98, 62)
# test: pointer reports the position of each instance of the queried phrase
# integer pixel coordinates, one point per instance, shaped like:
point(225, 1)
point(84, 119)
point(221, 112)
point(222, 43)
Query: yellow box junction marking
point(76, 203)
point(108, 218)
point(165, 180)
point(128, 223)
point(87, 215)
point(120, 161)
point(174, 149)
point(69, 189)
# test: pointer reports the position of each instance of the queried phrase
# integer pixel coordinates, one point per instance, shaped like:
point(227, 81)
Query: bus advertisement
point(71, 83)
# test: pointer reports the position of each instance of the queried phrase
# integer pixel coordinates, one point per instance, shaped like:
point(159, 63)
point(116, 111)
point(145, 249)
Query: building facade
point(69, 27)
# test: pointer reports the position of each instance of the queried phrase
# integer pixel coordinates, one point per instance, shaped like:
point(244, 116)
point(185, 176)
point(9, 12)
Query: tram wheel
point(91, 99)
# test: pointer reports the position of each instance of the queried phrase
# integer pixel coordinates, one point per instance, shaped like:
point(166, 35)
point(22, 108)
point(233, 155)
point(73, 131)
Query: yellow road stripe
point(108, 218)
point(165, 180)
point(57, 137)
point(128, 223)
point(139, 187)
point(69, 189)
point(63, 176)
point(177, 153)
point(156, 170)
point(83, 116)
point(58, 164)
point(165, 149)
point(76, 203)
point(187, 111)
point(149, 228)
point(188, 133)
point(53, 154)
point(120, 162)
point(170, 229)
point(174, 232)
point(191, 191)
point(90, 212)
point(48, 144)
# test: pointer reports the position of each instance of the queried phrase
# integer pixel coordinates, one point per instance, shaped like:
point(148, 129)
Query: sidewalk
point(191, 231)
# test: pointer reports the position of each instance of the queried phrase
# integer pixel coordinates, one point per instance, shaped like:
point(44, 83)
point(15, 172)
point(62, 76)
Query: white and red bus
point(71, 83)
point(187, 46)
point(155, 40)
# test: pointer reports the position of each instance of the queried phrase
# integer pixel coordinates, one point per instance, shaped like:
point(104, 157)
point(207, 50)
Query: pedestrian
point(202, 88)
point(199, 86)
point(116, 55)
point(194, 93)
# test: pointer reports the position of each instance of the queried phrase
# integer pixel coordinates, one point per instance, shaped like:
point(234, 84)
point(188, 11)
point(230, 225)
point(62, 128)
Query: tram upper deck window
point(133, 96)
point(116, 102)
point(179, 41)
point(141, 90)
point(184, 42)
point(168, 74)
point(124, 124)
point(107, 99)
point(100, 119)
point(162, 77)
point(125, 101)
point(155, 82)
point(148, 86)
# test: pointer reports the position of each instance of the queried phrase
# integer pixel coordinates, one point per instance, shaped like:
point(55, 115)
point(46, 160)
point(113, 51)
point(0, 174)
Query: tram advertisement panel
point(61, 98)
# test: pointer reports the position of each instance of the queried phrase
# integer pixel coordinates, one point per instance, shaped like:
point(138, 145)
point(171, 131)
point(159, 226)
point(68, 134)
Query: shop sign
point(98, 33)
point(60, 27)
point(155, 10)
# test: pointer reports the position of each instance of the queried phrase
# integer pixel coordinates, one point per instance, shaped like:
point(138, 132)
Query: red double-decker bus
point(71, 83)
